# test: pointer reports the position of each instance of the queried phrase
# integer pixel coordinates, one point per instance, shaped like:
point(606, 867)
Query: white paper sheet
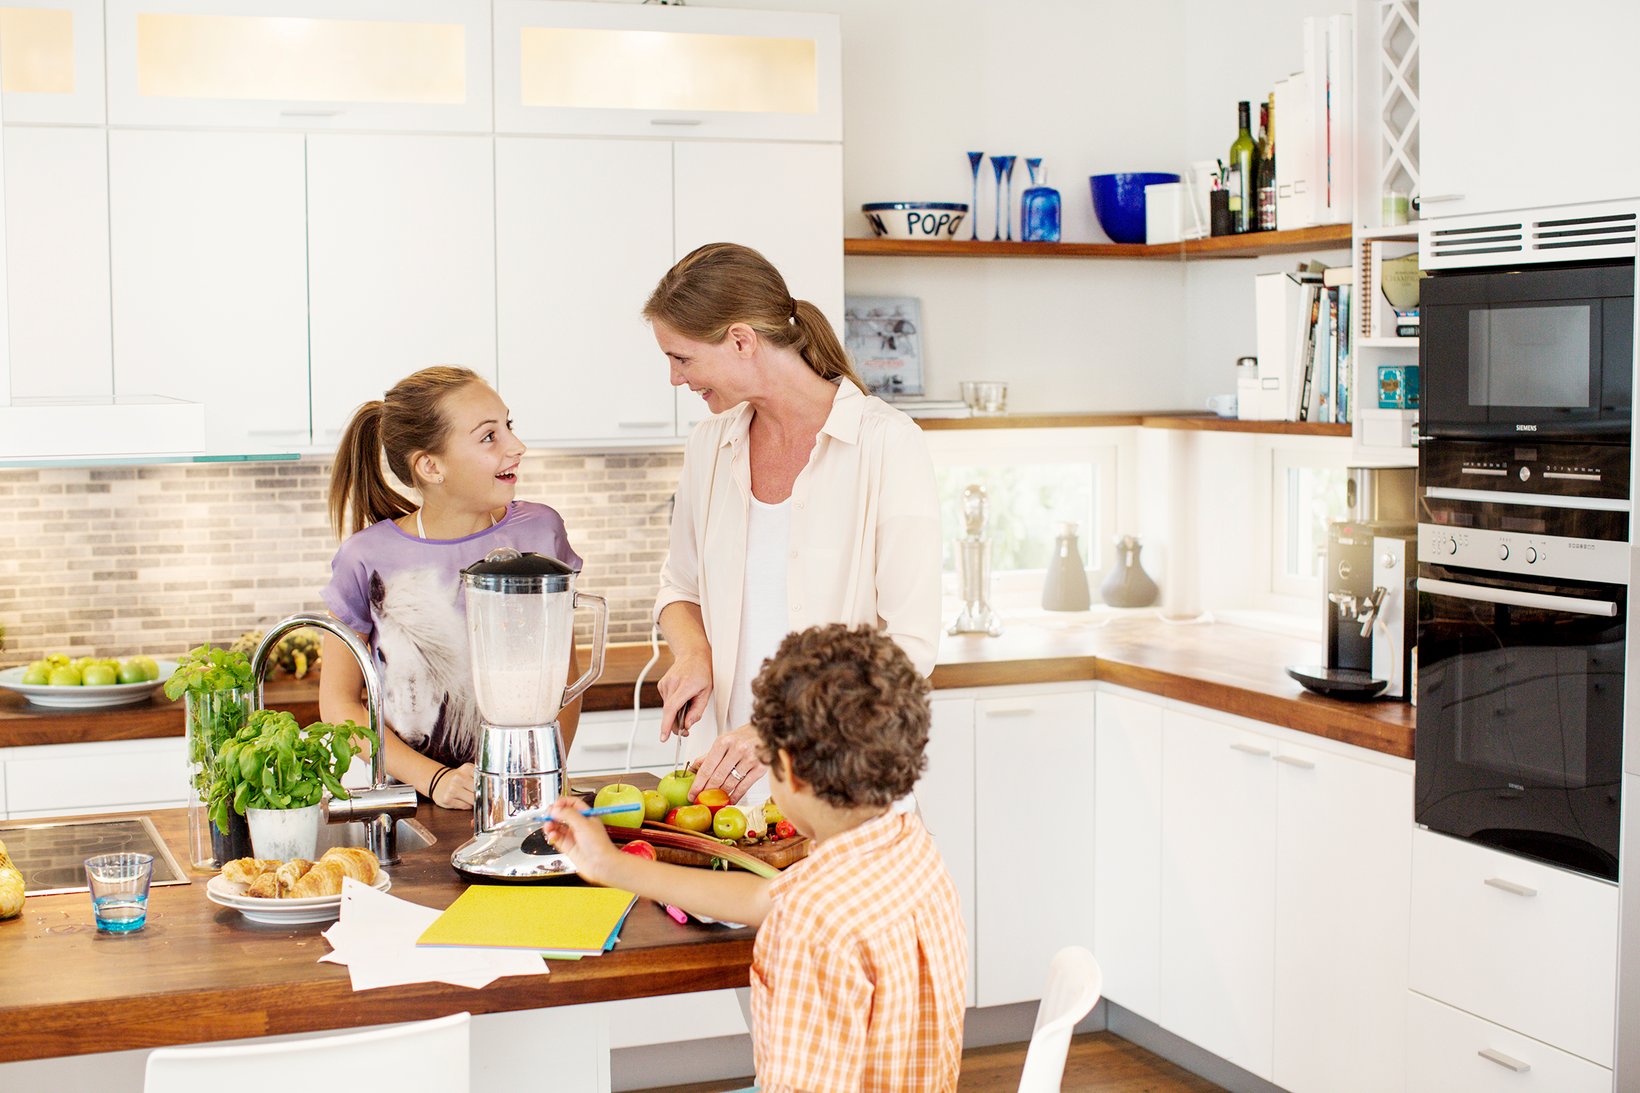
point(376, 940)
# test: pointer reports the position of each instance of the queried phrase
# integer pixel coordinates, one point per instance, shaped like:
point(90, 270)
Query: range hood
point(106, 427)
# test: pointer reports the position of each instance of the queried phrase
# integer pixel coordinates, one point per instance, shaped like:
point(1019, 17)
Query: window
point(1308, 490)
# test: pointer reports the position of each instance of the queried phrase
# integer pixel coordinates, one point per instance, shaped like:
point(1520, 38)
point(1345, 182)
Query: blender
point(520, 628)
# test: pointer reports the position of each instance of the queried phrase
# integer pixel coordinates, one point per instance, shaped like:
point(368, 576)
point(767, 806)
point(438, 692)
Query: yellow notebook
point(568, 920)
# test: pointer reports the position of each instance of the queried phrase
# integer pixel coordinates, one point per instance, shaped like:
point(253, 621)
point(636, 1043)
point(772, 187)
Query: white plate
point(280, 912)
point(85, 698)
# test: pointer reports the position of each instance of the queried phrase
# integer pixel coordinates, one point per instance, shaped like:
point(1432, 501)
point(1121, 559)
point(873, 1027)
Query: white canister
point(1164, 212)
point(284, 833)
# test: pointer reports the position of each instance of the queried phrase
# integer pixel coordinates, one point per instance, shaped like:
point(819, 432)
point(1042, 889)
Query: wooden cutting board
point(780, 853)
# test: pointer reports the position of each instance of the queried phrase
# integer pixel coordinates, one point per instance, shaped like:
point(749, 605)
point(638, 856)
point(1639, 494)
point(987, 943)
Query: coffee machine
point(520, 628)
point(1370, 613)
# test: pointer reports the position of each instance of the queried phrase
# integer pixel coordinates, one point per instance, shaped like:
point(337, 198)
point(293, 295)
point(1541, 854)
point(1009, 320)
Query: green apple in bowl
point(99, 675)
point(37, 674)
point(619, 793)
point(65, 676)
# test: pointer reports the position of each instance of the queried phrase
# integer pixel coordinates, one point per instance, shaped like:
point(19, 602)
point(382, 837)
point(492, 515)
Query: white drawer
point(1528, 946)
point(90, 777)
point(1449, 1050)
point(601, 739)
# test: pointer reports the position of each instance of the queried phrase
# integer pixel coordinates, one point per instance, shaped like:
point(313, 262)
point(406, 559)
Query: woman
point(803, 501)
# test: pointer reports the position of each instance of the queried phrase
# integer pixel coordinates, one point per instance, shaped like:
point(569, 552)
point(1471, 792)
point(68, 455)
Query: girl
point(395, 580)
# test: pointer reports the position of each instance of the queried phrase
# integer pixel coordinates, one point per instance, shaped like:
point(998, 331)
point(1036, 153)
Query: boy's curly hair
point(849, 708)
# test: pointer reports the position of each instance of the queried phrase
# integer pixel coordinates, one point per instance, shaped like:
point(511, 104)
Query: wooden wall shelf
point(1327, 236)
point(1197, 422)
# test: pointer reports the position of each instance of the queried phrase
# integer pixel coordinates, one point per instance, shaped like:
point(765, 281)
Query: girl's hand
point(731, 763)
point(583, 838)
point(685, 689)
point(455, 789)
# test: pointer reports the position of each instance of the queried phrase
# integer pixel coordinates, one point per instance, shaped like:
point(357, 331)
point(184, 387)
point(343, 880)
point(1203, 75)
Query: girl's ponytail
point(359, 493)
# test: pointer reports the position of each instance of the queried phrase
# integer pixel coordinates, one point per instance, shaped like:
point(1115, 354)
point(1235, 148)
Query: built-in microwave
point(1541, 351)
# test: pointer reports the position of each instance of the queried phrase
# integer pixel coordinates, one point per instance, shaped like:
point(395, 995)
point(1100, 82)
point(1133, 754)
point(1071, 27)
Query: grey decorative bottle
point(1127, 584)
point(1066, 586)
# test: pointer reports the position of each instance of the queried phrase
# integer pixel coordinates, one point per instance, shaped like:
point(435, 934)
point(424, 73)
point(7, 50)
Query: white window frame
point(1280, 457)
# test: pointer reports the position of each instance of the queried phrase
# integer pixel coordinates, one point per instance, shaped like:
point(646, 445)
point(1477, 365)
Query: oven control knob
point(1525, 473)
point(1451, 546)
point(1531, 555)
point(1503, 552)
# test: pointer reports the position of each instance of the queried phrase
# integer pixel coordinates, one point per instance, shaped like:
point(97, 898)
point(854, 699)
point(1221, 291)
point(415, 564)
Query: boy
point(858, 970)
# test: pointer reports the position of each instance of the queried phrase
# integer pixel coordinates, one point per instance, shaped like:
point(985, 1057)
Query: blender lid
point(506, 570)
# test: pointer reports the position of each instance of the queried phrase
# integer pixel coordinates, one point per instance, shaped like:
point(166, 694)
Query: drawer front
point(89, 777)
point(601, 739)
point(1528, 946)
point(1449, 1050)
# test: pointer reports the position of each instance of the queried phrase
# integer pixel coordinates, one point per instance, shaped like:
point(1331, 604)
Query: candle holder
point(1003, 167)
point(974, 160)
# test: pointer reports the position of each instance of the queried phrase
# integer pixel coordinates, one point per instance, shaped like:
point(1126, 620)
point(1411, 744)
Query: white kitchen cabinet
point(601, 740)
point(633, 70)
point(1547, 84)
point(1127, 839)
point(56, 191)
point(401, 265)
point(300, 64)
point(945, 797)
point(1033, 752)
point(1343, 877)
point(209, 279)
point(1449, 1050)
point(585, 233)
point(106, 776)
point(51, 59)
point(1218, 888)
point(1524, 945)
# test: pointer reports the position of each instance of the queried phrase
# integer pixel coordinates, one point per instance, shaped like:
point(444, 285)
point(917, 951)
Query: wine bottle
point(1243, 162)
point(1265, 182)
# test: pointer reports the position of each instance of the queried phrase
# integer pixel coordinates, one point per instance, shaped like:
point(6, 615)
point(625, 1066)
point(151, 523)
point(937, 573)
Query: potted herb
point(218, 692)
point(275, 774)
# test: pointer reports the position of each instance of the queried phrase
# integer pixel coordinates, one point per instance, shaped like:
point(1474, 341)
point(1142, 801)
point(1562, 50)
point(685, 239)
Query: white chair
point(421, 1057)
point(1074, 982)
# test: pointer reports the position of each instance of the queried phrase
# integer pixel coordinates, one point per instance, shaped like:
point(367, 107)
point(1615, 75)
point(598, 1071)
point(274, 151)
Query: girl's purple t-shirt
point(404, 594)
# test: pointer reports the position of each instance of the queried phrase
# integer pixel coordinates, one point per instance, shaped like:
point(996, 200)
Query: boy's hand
point(583, 838)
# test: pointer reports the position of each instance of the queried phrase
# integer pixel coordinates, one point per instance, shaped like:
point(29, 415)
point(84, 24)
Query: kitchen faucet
point(380, 806)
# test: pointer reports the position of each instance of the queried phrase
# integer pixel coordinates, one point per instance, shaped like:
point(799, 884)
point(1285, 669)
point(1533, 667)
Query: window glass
point(1026, 503)
point(1313, 497)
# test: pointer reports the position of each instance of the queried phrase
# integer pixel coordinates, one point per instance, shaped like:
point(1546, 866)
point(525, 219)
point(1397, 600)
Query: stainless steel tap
point(380, 806)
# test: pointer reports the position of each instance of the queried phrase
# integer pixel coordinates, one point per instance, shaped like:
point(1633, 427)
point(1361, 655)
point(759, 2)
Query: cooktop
point(52, 853)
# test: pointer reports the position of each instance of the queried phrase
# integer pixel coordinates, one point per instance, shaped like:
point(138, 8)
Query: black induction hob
point(52, 853)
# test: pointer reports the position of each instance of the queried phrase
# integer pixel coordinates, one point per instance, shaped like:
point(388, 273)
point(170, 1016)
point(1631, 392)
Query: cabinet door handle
point(1441, 197)
point(1251, 749)
point(613, 746)
point(1510, 886)
point(1007, 711)
point(1295, 761)
point(309, 113)
point(674, 121)
point(1503, 1060)
point(643, 425)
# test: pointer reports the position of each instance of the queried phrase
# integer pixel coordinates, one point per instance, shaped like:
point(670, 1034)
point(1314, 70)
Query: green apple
point(131, 672)
point(619, 793)
point(729, 823)
point(675, 787)
point(81, 663)
point(38, 673)
point(150, 670)
point(654, 805)
point(66, 676)
point(99, 675)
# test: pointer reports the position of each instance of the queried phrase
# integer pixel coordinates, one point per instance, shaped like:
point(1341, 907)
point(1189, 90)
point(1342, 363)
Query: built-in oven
point(1522, 622)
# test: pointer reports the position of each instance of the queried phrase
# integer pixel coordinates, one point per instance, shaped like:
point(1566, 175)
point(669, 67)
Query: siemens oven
point(1522, 624)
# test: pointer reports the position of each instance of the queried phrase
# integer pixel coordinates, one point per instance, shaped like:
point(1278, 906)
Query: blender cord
point(637, 689)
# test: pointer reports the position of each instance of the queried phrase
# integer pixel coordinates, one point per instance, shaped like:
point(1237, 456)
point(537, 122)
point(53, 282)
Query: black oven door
point(1520, 714)
point(1543, 353)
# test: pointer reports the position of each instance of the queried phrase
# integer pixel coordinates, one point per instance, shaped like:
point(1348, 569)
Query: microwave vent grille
point(1555, 237)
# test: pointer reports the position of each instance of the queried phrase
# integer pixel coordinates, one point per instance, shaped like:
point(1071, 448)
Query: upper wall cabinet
point(640, 70)
point(419, 65)
point(51, 62)
point(1557, 78)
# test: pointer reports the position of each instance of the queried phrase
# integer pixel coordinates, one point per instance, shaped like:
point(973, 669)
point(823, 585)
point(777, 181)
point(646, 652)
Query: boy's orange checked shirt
point(859, 967)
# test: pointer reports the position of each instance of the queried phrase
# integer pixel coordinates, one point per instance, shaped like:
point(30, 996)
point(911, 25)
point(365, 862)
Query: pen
point(676, 915)
point(610, 810)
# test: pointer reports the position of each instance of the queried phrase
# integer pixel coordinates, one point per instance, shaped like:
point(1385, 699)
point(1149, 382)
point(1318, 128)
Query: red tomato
point(785, 830)
point(640, 848)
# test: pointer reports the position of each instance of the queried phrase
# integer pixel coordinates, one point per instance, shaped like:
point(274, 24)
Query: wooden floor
point(1099, 1062)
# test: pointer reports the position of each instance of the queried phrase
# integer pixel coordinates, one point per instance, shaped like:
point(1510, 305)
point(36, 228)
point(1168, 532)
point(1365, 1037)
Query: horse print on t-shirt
point(421, 652)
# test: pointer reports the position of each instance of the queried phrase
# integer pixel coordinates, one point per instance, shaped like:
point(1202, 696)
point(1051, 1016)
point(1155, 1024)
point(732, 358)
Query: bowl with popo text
point(915, 219)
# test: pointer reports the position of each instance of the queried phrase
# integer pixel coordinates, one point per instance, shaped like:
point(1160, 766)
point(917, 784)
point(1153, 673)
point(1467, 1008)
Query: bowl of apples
point(59, 681)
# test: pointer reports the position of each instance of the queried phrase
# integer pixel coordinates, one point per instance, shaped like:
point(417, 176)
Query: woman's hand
point(582, 838)
point(455, 789)
point(685, 689)
point(731, 763)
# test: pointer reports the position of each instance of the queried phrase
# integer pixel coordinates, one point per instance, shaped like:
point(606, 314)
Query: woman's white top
point(763, 613)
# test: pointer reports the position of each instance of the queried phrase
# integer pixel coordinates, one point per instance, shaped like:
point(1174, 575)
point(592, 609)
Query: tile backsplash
point(157, 559)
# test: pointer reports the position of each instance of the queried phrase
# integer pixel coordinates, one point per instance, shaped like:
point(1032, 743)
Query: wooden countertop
point(1216, 665)
point(198, 972)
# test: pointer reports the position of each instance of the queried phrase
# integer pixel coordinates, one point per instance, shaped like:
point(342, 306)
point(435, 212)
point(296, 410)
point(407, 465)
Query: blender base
point(511, 858)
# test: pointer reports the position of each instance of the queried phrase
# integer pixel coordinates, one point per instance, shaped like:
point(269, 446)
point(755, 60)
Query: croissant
point(324, 879)
point(267, 886)
point(245, 870)
point(355, 862)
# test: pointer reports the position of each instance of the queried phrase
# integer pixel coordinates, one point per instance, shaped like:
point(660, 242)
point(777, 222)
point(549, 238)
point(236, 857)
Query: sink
point(411, 835)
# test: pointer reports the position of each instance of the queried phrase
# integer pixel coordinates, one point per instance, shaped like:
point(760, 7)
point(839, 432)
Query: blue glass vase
point(1039, 207)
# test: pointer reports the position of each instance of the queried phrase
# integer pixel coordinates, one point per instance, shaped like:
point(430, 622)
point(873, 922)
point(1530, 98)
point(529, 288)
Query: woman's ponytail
point(359, 493)
point(817, 343)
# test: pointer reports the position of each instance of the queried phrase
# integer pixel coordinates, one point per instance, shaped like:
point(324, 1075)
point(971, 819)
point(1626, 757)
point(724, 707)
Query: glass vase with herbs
point(217, 692)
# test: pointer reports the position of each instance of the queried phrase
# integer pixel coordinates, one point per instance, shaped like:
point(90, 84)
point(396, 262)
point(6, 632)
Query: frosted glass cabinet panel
point(641, 70)
point(335, 65)
point(51, 63)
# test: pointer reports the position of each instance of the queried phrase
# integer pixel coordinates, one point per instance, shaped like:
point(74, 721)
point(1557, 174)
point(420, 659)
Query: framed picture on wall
point(883, 335)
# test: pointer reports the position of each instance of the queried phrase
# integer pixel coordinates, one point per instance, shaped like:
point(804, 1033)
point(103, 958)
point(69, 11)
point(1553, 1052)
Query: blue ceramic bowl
point(1119, 202)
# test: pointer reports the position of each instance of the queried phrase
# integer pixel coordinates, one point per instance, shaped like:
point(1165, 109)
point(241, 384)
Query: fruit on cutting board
point(713, 799)
point(675, 787)
point(640, 848)
point(619, 793)
point(691, 818)
point(655, 806)
point(728, 822)
point(11, 886)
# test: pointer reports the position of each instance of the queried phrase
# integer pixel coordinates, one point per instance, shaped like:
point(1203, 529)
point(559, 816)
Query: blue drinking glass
point(974, 160)
point(1003, 167)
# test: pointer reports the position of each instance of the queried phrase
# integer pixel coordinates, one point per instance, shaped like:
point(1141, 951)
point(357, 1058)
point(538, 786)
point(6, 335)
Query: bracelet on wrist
point(432, 785)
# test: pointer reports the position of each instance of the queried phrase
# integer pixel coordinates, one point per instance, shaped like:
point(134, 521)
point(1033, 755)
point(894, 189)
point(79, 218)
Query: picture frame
point(884, 337)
